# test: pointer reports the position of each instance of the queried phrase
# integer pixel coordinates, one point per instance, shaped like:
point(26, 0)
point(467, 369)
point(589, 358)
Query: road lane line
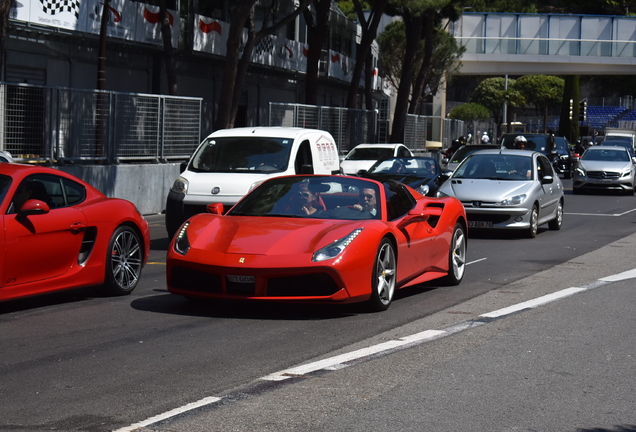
point(601, 214)
point(343, 360)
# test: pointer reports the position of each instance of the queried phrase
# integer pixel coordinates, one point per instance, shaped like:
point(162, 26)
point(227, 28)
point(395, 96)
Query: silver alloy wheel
point(385, 270)
point(458, 251)
point(534, 222)
point(125, 259)
point(555, 224)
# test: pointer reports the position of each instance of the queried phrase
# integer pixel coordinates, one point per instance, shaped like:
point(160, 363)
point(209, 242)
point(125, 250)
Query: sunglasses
point(304, 194)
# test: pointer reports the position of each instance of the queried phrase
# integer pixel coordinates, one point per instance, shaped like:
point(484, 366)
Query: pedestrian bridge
point(533, 44)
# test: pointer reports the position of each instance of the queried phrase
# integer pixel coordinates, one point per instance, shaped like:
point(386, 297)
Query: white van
point(230, 162)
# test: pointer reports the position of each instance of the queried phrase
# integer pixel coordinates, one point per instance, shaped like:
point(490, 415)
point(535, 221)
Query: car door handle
point(77, 226)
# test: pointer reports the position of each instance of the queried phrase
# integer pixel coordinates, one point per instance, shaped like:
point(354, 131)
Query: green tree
point(492, 94)
point(542, 91)
point(470, 112)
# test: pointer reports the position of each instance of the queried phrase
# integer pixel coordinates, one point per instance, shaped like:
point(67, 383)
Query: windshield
point(405, 167)
point(369, 153)
point(242, 154)
point(536, 142)
point(464, 151)
point(606, 155)
point(321, 197)
point(495, 167)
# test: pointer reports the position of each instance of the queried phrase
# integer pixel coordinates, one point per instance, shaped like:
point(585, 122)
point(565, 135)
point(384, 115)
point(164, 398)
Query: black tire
point(124, 259)
point(383, 278)
point(555, 224)
point(456, 257)
point(534, 223)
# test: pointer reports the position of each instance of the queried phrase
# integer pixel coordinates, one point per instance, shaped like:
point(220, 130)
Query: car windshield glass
point(464, 151)
point(5, 181)
point(369, 153)
point(242, 154)
point(495, 167)
point(321, 197)
point(534, 142)
point(621, 138)
point(403, 167)
point(606, 155)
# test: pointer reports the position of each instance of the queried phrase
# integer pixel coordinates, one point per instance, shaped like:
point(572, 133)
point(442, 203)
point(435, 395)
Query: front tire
point(456, 257)
point(383, 278)
point(124, 260)
point(555, 224)
point(534, 223)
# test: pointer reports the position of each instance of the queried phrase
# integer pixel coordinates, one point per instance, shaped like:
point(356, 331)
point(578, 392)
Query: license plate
point(241, 279)
point(479, 224)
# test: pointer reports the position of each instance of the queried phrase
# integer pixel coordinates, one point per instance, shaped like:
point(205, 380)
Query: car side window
point(398, 200)
point(544, 167)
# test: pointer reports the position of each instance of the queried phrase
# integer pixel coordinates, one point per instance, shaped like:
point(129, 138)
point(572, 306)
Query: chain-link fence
point(349, 127)
point(63, 125)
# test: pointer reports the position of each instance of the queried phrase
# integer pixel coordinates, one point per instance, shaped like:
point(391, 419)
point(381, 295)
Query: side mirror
point(413, 216)
point(547, 179)
point(215, 208)
point(183, 166)
point(362, 173)
point(306, 169)
point(445, 160)
point(33, 207)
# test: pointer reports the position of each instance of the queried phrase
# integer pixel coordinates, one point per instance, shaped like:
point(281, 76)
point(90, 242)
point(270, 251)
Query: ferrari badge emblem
point(241, 260)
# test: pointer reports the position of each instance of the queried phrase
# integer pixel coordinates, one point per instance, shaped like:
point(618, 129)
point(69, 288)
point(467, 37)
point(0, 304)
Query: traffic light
point(583, 110)
point(571, 108)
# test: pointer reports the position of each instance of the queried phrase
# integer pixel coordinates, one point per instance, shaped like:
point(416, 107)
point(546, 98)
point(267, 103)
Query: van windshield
point(242, 154)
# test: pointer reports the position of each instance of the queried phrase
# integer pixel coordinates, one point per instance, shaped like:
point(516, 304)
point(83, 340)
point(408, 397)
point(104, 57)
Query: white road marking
point(601, 214)
point(342, 360)
point(476, 261)
point(171, 413)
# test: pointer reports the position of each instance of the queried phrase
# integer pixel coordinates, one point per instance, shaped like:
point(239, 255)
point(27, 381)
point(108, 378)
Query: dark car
point(541, 142)
point(421, 173)
point(563, 162)
point(461, 154)
point(620, 143)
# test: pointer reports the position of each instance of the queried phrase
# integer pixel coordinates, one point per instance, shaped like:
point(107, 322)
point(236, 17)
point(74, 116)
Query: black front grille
point(483, 217)
point(188, 279)
point(603, 175)
point(307, 285)
point(235, 288)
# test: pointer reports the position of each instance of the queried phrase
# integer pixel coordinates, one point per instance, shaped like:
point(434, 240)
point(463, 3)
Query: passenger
point(368, 201)
point(23, 194)
point(305, 202)
point(397, 168)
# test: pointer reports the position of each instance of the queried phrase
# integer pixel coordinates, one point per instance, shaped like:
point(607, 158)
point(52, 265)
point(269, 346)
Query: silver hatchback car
point(605, 168)
point(507, 189)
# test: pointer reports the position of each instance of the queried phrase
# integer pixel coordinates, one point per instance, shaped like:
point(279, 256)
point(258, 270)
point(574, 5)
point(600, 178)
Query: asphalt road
point(76, 362)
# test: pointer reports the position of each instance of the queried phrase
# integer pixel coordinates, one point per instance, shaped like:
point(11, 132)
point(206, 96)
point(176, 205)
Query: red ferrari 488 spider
point(61, 233)
point(319, 239)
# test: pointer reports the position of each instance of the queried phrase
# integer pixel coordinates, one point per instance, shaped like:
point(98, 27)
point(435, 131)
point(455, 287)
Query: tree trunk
point(369, 32)
point(368, 81)
point(317, 31)
point(413, 29)
point(168, 52)
point(429, 43)
point(101, 56)
point(5, 9)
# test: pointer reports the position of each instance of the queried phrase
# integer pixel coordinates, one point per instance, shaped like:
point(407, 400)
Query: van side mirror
point(183, 166)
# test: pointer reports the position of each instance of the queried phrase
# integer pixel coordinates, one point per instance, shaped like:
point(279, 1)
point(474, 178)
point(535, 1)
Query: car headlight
point(515, 200)
point(334, 249)
point(180, 186)
point(255, 185)
point(441, 194)
point(424, 189)
point(626, 173)
point(181, 242)
point(580, 171)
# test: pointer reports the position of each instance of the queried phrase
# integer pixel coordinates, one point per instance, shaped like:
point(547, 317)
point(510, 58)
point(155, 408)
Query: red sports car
point(319, 239)
point(61, 233)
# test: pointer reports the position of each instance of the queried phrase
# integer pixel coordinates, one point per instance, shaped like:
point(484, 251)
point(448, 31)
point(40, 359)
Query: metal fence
point(349, 127)
point(61, 125)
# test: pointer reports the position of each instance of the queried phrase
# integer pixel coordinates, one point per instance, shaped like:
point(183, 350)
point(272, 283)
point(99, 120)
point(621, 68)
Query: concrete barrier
point(145, 185)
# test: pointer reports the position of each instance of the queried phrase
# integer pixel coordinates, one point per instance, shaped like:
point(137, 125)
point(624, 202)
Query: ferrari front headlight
point(181, 242)
point(511, 201)
point(334, 249)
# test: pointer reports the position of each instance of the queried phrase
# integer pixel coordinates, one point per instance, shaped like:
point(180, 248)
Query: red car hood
point(265, 235)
